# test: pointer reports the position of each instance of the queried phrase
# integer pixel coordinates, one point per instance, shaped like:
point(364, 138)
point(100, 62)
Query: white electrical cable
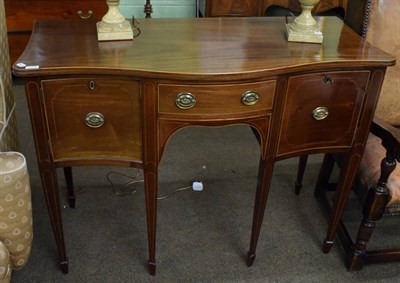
point(3, 96)
point(5, 118)
point(128, 188)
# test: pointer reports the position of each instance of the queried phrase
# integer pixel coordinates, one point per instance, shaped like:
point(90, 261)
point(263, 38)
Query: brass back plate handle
point(250, 98)
point(320, 113)
point(94, 120)
point(83, 17)
point(185, 100)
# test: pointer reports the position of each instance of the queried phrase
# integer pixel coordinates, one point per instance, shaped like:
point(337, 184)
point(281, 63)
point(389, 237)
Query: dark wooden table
point(117, 103)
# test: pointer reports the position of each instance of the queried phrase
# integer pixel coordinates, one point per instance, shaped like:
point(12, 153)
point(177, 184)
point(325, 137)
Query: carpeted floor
point(202, 236)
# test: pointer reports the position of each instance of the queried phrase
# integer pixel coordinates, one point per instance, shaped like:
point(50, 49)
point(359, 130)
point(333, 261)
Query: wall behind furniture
point(161, 8)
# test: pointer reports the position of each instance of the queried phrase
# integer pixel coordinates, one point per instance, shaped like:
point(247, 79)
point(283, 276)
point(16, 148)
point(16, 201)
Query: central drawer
point(93, 118)
point(216, 101)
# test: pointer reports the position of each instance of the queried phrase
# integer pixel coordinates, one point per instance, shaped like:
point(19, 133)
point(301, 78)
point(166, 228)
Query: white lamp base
point(304, 28)
point(303, 36)
point(114, 26)
point(117, 32)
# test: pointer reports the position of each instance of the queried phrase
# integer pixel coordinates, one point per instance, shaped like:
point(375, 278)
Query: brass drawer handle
point(89, 15)
point(185, 100)
point(320, 113)
point(94, 119)
point(250, 98)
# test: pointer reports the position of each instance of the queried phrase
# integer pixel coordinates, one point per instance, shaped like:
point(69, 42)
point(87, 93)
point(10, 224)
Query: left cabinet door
point(93, 118)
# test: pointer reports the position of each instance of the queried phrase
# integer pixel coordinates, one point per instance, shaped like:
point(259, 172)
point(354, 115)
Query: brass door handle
point(185, 100)
point(94, 120)
point(320, 113)
point(250, 98)
point(89, 15)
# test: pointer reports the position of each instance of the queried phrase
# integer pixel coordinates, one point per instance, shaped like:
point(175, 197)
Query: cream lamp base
point(304, 28)
point(301, 36)
point(114, 26)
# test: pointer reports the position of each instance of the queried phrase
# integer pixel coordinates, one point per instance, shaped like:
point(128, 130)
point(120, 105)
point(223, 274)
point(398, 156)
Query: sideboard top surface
point(196, 48)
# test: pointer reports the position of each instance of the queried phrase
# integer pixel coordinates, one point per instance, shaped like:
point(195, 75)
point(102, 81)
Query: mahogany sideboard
point(118, 103)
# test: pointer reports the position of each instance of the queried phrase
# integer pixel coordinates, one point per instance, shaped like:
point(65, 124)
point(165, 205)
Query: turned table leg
point(150, 176)
point(70, 186)
point(50, 188)
point(47, 169)
point(346, 177)
point(300, 173)
point(266, 169)
point(150, 167)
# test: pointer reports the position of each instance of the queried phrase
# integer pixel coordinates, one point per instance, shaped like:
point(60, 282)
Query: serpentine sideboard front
point(117, 103)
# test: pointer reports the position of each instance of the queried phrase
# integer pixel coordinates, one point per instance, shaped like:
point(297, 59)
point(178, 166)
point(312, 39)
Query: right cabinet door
point(321, 111)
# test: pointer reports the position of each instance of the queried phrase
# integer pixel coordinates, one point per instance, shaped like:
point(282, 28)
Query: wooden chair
point(377, 184)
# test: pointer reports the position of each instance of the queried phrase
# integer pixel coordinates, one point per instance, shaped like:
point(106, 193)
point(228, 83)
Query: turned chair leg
point(374, 208)
point(300, 174)
point(70, 186)
point(373, 211)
